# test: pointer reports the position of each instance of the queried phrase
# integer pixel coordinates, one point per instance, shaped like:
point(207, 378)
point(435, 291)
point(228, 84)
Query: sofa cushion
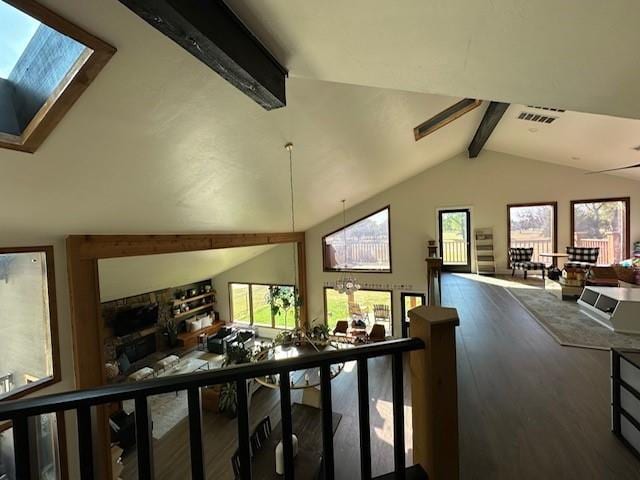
point(141, 374)
point(167, 362)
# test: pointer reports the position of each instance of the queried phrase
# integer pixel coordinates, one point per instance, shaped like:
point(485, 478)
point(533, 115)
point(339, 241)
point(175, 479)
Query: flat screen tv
point(134, 319)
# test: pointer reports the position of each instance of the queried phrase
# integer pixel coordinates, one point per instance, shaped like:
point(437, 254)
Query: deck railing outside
point(540, 245)
point(454, 252)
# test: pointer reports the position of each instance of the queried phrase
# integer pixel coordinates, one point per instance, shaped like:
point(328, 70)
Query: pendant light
point(289, 148)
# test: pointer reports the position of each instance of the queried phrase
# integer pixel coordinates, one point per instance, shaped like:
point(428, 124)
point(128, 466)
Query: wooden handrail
point(434, 391)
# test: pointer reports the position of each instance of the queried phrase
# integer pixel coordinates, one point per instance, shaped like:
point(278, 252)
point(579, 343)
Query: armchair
point(218, 342)
point(582, 257)
point(520, 259)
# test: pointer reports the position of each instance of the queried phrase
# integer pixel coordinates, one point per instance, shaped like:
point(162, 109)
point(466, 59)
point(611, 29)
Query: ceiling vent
point(551, 109)
point(536, 117)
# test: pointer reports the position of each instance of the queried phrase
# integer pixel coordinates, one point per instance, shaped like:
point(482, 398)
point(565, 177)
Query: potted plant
point(282, 301)
point(320, 335)
point(228, 400)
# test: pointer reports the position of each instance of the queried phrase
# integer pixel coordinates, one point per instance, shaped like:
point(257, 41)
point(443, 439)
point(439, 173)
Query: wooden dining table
point(307, 426)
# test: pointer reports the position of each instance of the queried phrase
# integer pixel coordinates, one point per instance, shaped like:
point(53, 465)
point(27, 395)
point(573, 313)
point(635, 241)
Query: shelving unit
point(194, 310)
point(193, 299)
point(485, 259)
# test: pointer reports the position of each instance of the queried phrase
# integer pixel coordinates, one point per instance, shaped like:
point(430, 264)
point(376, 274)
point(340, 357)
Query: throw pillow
point(124, 363)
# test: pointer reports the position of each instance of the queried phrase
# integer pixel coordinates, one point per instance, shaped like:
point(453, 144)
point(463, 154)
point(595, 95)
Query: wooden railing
point(454, 251)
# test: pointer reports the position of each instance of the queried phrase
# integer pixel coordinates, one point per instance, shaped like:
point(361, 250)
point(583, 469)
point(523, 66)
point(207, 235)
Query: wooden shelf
point(191, 299)
point(194, 310)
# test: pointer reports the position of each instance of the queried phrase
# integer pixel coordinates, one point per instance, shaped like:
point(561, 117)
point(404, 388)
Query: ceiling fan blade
point(637, 165)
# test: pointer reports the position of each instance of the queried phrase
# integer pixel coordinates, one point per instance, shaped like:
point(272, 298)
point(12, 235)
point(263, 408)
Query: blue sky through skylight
point(16, 29)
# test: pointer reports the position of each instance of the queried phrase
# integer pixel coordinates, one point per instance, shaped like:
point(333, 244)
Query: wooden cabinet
point(190, 339)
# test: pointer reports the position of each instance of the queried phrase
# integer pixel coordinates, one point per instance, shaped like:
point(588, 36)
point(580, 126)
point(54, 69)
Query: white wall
point(129, 276)
point(486, 185)
point(272, 267)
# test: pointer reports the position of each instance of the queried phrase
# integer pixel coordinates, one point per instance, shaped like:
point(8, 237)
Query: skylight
point(16, 31)
point(46, 62)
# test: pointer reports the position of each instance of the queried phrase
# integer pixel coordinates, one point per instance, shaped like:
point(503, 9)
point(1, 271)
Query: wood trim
point(324, 299)
point(445, 117)
point(79, 77)
point(434, 391)
point(56, 375)
point(83, 253)
point(324, 247)
point(116, 246)
point(533, 204)
point(258, 284)
point(489, 122)
point(403, 313)
point(627, 201)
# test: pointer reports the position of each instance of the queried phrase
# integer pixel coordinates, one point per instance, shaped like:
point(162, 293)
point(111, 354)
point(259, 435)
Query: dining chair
point(377, 333)
point(342, 327)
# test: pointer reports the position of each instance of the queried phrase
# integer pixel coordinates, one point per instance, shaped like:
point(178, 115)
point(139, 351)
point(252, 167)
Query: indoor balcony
point(433, 405)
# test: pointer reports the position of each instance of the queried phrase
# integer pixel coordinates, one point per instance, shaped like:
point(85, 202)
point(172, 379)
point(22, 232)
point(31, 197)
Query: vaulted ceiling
point(160, 143)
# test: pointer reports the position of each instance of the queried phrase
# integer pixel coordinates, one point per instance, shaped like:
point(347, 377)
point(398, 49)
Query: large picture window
point(362, 246)
point(533, 225)
point(367, 306)
point(29, 356)
point(602, 223)
point(251, 303)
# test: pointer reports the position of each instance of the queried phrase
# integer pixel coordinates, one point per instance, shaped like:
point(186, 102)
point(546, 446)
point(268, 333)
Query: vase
point(280, 454)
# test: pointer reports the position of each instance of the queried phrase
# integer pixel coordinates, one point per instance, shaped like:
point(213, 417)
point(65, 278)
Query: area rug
point(169, 409)
point(564, 321)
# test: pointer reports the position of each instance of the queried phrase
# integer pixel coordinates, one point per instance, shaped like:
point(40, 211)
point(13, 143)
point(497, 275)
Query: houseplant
point(228, 400)
point(282, 301)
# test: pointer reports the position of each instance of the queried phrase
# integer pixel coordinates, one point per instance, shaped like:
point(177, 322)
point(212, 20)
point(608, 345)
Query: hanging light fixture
point(347, 283)
point(289, 148)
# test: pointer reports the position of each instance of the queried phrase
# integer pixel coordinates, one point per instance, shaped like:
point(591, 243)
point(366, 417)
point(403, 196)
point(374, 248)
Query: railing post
point(434, 392)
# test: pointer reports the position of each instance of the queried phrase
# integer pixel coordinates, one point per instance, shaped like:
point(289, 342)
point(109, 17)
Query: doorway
point(454, 227)
point(407, 302)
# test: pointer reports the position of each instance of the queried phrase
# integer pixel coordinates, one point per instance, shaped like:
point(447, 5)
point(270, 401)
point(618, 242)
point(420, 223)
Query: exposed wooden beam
point(445, 117)
point(213, 34)
point(491, 118)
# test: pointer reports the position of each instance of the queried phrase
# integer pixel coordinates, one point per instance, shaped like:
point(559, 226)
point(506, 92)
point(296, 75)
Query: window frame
point(81, 75)
point(626, 247)
point(390, 292)
point(325, 268)
point(56, 375)
point(250, 284)
point(554, 239)
point(403, 313)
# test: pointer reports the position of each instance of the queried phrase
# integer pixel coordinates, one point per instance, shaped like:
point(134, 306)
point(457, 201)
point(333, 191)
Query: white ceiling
point(159, 143)
point(580, 55)
point(586, 141)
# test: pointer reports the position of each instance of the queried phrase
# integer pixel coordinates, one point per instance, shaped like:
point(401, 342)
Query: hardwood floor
point(529, 408)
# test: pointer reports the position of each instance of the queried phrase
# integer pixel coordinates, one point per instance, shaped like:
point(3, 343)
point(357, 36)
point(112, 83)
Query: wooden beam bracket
point(492, 116)
point(212, 33)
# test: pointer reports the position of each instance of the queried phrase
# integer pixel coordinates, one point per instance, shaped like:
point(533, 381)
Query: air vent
point(536, 117)
point(551, 109)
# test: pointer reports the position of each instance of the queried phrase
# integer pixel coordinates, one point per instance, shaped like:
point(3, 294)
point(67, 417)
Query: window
point(533, 225)
point(29, 357)
point(368, 246)
point(46, 64)
point(602, 223)
point(368, 306)
point(48, 435)
point(251, 303)
point(409, 301)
